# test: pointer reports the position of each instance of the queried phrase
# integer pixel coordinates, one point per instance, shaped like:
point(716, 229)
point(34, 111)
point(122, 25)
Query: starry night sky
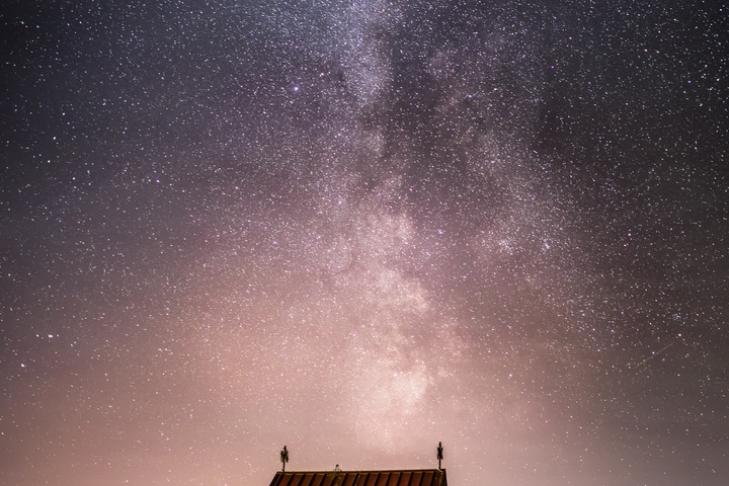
point(357, 228)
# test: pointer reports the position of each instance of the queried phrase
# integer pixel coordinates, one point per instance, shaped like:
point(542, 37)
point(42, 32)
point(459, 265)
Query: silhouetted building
point(404, 477)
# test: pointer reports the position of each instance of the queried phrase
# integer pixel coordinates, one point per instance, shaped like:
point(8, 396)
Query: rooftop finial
point(440, 454)
point(284, 458)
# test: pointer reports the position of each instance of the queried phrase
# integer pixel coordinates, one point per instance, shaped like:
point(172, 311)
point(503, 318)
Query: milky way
point(358, 228)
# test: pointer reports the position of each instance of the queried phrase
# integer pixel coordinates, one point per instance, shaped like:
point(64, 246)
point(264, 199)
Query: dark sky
point(357, 228)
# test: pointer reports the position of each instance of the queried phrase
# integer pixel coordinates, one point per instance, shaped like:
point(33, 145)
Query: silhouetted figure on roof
point(284, 458)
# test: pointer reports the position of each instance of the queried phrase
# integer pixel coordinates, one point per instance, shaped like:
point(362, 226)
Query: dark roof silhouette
point(404, 477)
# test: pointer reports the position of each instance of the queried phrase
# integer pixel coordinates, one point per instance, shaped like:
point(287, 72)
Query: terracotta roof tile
point(405, 477)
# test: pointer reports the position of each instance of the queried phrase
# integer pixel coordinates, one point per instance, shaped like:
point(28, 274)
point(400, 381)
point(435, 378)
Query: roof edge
point(299, 471)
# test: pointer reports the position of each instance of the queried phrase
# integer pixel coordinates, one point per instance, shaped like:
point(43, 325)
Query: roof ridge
point(359, 470)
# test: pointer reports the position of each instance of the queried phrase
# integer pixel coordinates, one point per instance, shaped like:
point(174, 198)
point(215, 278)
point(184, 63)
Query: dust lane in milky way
point(358, 228)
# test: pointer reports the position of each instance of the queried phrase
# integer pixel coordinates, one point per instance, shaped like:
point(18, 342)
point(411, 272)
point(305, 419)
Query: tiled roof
point(411, 477)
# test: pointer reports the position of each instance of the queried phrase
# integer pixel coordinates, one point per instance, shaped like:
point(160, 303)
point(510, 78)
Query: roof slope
point(409, 477)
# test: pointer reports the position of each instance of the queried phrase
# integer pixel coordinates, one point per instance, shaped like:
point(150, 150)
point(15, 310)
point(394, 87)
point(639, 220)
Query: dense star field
point(358, 228)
